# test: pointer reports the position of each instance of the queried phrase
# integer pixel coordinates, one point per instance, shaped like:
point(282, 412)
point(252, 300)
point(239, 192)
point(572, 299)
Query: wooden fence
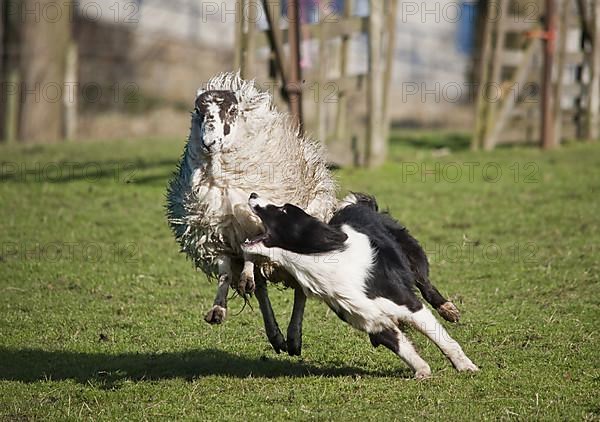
point(346, 110)
point(526, 93)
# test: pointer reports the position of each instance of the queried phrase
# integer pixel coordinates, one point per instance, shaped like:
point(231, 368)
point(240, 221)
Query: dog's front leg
point(246, 284)
point(217, 313)
point(271, 327)
point(294, 331)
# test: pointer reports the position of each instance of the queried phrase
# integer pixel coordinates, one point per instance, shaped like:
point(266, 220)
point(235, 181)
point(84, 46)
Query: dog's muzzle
point(256, 202)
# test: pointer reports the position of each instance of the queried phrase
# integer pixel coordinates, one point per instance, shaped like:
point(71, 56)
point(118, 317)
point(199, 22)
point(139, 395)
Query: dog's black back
point(398, 254)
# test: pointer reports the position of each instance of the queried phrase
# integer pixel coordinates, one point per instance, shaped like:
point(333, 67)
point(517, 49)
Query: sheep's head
point(214, 120)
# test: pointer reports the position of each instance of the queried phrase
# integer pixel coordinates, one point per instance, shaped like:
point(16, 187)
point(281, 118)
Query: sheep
point(239, 143)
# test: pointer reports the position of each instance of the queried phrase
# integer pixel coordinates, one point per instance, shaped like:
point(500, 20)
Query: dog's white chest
point(338, 277)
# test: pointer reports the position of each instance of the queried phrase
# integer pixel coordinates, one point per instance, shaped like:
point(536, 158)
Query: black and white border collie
point(365, 266)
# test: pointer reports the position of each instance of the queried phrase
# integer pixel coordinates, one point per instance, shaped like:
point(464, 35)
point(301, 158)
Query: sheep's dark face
point(215, 120)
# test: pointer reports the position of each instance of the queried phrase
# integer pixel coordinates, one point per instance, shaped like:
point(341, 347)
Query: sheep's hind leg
point(397, 342)
point(218, 312)
point(246, 284)
point(294, 331)
point(272, 329)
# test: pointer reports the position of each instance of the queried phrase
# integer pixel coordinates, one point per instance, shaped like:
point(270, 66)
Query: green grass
point(101, 317)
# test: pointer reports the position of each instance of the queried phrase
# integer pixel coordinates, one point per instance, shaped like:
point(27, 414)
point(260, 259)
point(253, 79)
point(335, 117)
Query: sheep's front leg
point(217, 313)
point(246, 284)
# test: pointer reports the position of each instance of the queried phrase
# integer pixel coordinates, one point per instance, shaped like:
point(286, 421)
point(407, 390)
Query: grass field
point(102, 318)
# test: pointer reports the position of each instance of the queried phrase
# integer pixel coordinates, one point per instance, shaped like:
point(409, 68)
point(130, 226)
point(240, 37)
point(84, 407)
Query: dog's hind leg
point(397, 342)
point(424, 321)
point(420, 267)
point(272, 329)
point(444, 307)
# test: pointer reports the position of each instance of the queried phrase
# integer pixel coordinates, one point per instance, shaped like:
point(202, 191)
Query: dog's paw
point(465, 365)
point(216, 315)
point(423, 373)
point(449, 312)
point(246, 284)
point(278, 342)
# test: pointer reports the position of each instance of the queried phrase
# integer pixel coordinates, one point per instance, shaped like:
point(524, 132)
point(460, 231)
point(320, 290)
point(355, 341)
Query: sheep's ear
point(200, 91)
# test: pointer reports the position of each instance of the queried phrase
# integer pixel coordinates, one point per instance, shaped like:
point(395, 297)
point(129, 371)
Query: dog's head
point(215, 120)
point(288, 228)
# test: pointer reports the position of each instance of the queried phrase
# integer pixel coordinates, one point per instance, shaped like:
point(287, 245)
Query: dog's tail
point(420, 267)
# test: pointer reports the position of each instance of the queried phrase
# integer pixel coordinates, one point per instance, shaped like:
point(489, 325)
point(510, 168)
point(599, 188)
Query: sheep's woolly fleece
point(207, 197)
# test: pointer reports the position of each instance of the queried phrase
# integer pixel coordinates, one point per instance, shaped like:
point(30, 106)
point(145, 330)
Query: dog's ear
point(326, 238)
point(366, 200)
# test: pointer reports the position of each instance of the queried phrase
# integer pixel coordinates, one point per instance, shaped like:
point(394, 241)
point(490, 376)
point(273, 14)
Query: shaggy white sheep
point(239, 144)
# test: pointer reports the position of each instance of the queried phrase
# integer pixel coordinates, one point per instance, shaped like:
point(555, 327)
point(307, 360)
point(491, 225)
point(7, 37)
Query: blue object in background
point(465, 34)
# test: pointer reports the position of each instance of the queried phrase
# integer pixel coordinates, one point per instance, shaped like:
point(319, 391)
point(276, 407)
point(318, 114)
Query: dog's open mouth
point(254, 206)
point(257, 239)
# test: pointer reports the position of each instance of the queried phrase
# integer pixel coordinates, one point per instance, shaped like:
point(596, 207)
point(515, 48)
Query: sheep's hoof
point(449, 312)
point(246, 284)
point(278, 342)
point(216, 315)
point(294, 346)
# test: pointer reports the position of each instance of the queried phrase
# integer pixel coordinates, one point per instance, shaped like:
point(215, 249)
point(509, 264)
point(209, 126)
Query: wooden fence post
point(248, 39)
point(11, 113)
point(376, 145)
point(42, 43)
point(548, 136)
point(3, 70)
point(342, 98)
point(495, 79)
point(321, 78)
point(561, 63)
point(238, 52)
point(70, 94)
point(481, 103)
point(294, 88)
point(389, 64)
point(593, 109)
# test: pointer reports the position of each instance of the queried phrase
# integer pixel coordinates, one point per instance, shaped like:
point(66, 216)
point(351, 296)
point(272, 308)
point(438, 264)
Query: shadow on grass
point(31, 365)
